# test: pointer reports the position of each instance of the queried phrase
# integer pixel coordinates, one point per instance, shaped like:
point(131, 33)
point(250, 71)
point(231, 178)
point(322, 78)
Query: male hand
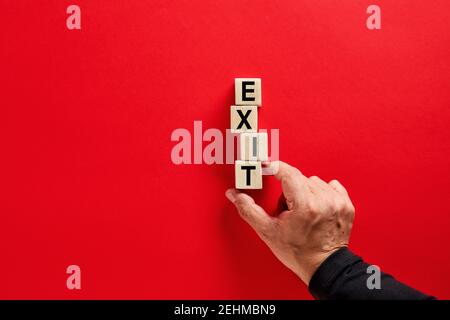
point(316, 220)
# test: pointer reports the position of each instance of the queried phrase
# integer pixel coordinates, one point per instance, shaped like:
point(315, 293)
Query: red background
point(86, 119)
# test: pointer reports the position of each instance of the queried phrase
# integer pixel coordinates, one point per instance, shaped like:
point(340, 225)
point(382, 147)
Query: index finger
point(293, 182)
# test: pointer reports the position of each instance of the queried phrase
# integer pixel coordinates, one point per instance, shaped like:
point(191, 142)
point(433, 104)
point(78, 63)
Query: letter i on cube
point(253, 147)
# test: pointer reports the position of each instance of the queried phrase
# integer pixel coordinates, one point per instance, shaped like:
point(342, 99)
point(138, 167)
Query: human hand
point(316, 219)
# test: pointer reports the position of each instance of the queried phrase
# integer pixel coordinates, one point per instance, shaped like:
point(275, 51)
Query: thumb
point(253, 214)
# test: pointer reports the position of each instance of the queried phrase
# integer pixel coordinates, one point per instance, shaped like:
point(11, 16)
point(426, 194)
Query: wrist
point(308, 266)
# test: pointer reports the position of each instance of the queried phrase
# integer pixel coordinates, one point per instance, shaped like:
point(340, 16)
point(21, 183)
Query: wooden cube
point(247, 91)
point(253, 146)
point(244, 119)
point(248, 174)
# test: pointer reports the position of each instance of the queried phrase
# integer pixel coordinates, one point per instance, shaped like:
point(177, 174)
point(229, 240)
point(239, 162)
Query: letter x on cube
point(244, 119)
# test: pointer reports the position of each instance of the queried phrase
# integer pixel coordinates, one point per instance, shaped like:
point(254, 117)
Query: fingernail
point(230, 195)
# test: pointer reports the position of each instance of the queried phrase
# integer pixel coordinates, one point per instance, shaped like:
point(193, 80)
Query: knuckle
point(339, 204)
point(244, 211)
point(348, 211)
point(351, 211)
point(334, 182)
point(350, 206)
point(295, 171)
point(241, 203)
point(312, 207)
point(309, 204)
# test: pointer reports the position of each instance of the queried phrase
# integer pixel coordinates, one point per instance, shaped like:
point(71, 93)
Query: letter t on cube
point(248, 174)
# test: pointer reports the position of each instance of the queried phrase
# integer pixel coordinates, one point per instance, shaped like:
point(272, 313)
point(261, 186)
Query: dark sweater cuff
point(329, 271)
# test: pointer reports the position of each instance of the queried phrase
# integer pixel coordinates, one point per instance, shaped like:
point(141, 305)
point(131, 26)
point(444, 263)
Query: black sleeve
point(344, 275)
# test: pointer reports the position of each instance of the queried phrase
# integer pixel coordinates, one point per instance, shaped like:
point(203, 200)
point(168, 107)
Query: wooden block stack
point(253, 146)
